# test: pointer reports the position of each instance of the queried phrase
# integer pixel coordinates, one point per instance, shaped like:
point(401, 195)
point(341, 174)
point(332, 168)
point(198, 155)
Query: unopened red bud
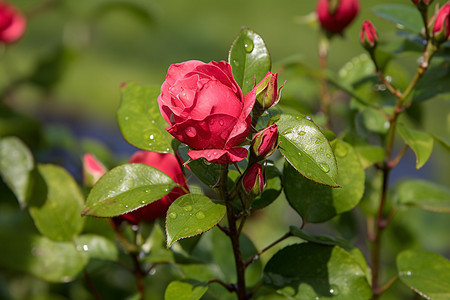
point(368, 36)
point(422, 2)
point(441, 28)
point(266, 91)
point(93, 169)
point(264, 142)
point(336, 15)
point(12, 23)
point(253, 181)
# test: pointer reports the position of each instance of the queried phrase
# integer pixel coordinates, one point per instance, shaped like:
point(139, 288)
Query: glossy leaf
point(428, 274)
point(57, 204)
point(424, 194)
point(406, 16)
point(16, 165)
point(97, 246)
point(207, 172)
point(190, 215)
point(319, 203)
point(311, 271)
point(126, 188)
point(249, 59)
point(140, 120)
point(420, 142)
point(306, 148)
point(185, 290)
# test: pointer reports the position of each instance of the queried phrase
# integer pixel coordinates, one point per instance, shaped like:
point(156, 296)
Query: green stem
point(326, 97)
point(233, 234)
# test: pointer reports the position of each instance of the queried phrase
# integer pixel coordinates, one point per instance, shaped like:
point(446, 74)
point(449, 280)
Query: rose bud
point(12, 23)
point(253, 180)
point(206, 110)
point(368, 36)
point(441, 28)
point(335, 15)
point(266, 91)
point(422, 3)
point(264, 142)
point(169, 164)
point(93, 169)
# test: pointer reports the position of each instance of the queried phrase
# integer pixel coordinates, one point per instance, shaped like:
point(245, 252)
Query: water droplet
point(324, 167)
point(126, 118)
point(191, 132)
point(153, 121)
point(152, 136)
point(199, 230)
point(409, 273)
point(221, 122)
point(146, 191)
point(236, 63)
point(328, 155)
point(317, 298)
point(126, 206)
point(188, 208)
point(212, 122)
point(200, 215)
point(299, 154)
point(173, 215)
point(85, 248)
point(308, 118)
point(302, 133)
point(135, 228)
point(318, 141)
point(248, 46)
point(334, 290)
point(152, 271)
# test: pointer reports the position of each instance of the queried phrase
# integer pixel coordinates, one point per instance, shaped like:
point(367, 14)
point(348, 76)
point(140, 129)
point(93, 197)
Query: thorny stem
point(326, 98)
point(233, 233)
point(381, 222)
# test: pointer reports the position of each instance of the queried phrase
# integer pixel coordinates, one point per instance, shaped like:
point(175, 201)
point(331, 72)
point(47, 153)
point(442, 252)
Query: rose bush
point(12, 23)
point(206, 110)
point(169, 164)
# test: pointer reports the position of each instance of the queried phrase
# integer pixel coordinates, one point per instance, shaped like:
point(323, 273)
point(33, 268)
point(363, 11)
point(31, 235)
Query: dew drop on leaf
point(200, 215)
point(324, 167)
point(188, 208)
point(248, 46)
point(173, 215)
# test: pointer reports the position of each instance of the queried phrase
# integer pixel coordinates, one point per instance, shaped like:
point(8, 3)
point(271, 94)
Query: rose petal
point(219, 156)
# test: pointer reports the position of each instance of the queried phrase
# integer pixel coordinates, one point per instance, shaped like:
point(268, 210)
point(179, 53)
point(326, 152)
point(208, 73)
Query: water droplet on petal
point(324, 167)
point(173, 215)
point(191, 132)
point(200, 215)
point(221, 122)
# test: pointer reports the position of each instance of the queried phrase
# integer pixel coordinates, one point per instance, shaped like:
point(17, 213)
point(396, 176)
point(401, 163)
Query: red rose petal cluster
point(336, 15)
point(169, 164)
point(206, 110)
point(12, 23)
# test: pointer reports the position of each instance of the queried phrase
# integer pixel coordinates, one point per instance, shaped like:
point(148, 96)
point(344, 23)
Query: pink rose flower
point(169, 164)
point(335, 15)
point(206, 110)
point(12, 23)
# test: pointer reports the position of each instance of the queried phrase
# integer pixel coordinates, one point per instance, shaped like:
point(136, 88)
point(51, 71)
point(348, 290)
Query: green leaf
point(369, 154)
point(319, 203)
point(249, 59)
point(311, 271)
point(428, 274)
point(207, 172)
point(356, 69)
point(126, 188)
point(272, 189)
point(318, 239)
point(191, 215)
point(424, 194)
point(444, 142)
point(140, 120)
point(56, 204)
point(97, 246)
point(185, 290)
point(372, 120)
point(420, 142)
point(407, 16)
point(16, 165)
point(306, 148)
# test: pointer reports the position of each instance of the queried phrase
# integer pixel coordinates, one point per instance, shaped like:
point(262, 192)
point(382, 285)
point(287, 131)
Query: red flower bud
point(335, 15)
point(93, 169)
point(266, 91)
point(422, 2)
point(12, 23)
point(253, 181)
point(441, 29)
point(368, 36)
point(264, 142)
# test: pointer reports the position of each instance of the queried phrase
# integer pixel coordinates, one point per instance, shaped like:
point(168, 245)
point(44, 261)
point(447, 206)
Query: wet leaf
point(406, 16)
point(140, 120)
point(190, 215)
point(426, 273)
point(126, 188)
point(249, 59)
